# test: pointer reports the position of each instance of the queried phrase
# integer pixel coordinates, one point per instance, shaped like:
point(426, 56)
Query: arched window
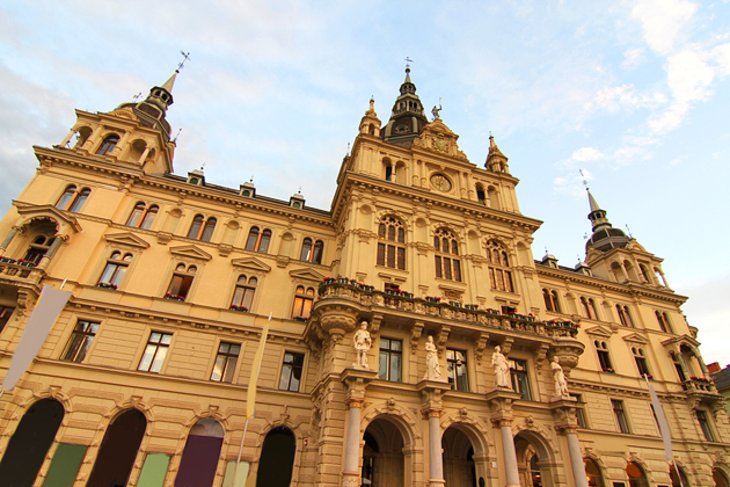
point(73, 199)
point(258, 241)
point(645, 273)
point(500, 274)
point(589, 308)
point(38, 248)
point(624, 316)
point(391, 243)
point(481, 195)
point(604, 359)
point(663, 320)
point(141, 216)
point(109, 143)
point(311, 253)
point(201, 453)
point(303, 301)
point(181, 282)
point(202, 229)
point(119, 448)
point(318, 251)
point(114, 270)
point(448, 265)
point(593, 473)
point(306, 252)
point(641, 364)
point(551, 300)
point(244, 292)
point(637, 477)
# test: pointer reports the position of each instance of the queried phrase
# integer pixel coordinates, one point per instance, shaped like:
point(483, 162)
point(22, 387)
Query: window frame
point(108, 144)
point(6, 312)
point(499, 268)
point(454, 377)
point(80, 341)
point(305, 300)
point(619, 413)
point(706, 426)
point(388, 354)
point(520, 378)
point(391, 247)
point(642, 363)
point(158, 345)
point(604, 356)
point(187, 279)
point(447, 260)
point(116, 267)
point(72, 199)
point(260, 241)
point(228, 370)
point(288, 368)
point(245, 290)
point(142, 215)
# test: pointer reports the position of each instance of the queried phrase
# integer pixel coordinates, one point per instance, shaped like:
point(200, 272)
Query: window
point(202, 229)
point(155, 352)
point(311, 253)
point(641, 364)
point(391, 359)
point(678, 367)
point(551, 300)
point(291, 372)
point(580, 414)
point(391, 243)
point(258, 241)
point(704, 421)
point(456, 365)
point(620, 414)
point(303, 300)
point(114, 270)
point(624, 316)
point(5, 313)
point(520, 380)
point(604, 359)
point(225, 362)
point(500, 276)
point(73, 199)
point(448, 265)
point(481, 196)
point(109, 143)
point(80, 341)
point(663, 320)
point(38, 248)
point(142, 216)
point(589, 308)
point(182, 280)
point(244, 292)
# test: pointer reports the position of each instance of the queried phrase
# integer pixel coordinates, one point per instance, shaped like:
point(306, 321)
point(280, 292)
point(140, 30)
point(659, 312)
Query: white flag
point(661, 421)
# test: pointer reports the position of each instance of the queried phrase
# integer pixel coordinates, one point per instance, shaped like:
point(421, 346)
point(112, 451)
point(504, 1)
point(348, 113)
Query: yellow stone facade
point(419, 242)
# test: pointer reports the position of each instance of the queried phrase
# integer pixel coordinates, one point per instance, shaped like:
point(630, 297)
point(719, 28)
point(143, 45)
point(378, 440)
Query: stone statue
point(362, 342)
point(501, 368)
point(435, 111)
point(433, 368)
point(561, 384)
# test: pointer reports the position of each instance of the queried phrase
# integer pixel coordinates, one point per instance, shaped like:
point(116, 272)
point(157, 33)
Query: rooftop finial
point(629, 230)
point(408, 64)
point(137, 96)
point(186, 56)
point(174, 140)
point(585, 180)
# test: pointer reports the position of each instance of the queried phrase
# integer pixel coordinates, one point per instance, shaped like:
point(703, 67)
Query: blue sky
point(634, 93)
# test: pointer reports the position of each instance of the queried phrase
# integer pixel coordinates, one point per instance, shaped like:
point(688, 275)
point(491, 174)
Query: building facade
point(143, 377)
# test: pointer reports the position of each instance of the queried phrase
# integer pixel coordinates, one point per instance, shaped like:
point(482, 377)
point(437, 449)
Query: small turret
point(604, 236)
point(496, 161)
point(370, 123)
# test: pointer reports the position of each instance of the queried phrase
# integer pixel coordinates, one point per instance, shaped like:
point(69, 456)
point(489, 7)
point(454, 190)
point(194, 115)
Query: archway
point(29, 444)
point(277, 458)
point(720, 477)
point(636, 474)
point(533, 460)
point(118, 450)
point(676, 479)
point(458, 457)
point(201, 453)
point(383, 462)
point(593, 473)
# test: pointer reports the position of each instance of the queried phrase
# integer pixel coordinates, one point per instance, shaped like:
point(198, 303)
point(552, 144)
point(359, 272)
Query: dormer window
point(109, 143)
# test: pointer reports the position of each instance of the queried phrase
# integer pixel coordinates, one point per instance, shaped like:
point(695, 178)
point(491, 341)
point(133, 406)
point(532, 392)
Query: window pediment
point(251, 264)
point(599, 331)
point(190, 252)
point(127, 239)
point(306, 275)
point(635, 338)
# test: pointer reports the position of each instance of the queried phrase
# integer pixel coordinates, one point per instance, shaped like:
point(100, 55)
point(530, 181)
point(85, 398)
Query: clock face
point(440, 182)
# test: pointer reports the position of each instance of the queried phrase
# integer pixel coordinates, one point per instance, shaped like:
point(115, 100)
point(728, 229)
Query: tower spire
point(604, 236)
point(407, 119)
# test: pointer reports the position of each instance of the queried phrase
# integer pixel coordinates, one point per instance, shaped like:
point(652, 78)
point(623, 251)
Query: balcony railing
point(699, 384)
point(20, 270)
point(366, 295)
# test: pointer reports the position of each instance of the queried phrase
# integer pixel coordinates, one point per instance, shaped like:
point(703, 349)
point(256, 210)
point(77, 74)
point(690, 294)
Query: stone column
point(566, 423)
point(8, 238)
point(49, 253)
point(355, 381)
point(501, 401)
point(431, 392)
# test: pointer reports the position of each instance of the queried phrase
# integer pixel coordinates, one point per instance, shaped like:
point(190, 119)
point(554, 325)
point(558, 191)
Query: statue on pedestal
point(362, 342)
point(561, 384)
point(433, 368)
point(502, 368)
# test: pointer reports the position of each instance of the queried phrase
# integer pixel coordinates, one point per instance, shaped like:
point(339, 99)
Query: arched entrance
point(383, 462)
point(720, 477)
point(460, 466)
point(118, 450)
point(593, 472)
point(637, 477)
point(675, 478)
point(201, 453)
point(533, 460)
point(29, 444)
point(277, 458)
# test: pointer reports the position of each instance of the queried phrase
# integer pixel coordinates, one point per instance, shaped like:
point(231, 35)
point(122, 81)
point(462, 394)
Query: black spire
point(407, 120)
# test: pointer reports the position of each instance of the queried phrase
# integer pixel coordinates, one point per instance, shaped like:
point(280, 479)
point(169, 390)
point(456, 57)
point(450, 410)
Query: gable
point(251, 263)
point(635, 338)
point(126, 239)
point(599, 331)
point(190, 252)
point(306, 274)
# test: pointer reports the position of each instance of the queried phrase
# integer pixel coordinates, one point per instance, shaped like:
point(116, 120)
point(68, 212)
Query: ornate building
point(459, 374)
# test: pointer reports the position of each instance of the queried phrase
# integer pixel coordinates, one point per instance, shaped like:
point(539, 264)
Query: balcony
point(342, 288)
point(699, 385)
point(20, 271)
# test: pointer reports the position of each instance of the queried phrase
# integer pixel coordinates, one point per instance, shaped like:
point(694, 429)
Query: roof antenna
point(174, 140)
point(629, 230)
point(137, 96)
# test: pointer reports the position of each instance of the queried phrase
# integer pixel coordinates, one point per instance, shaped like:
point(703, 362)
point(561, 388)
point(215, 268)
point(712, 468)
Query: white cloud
point(632, 57)
point(662, 21)
point(586, 154)
point(615, 98)
point(721, 56)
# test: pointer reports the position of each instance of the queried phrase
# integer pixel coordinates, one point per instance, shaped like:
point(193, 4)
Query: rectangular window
point(580, 414)
point(705, 425)
point(80, 341)
point(520, 380)
point(291, 371)
point(456, 360)
point(391, 358)
point(155, 352)
point(5, 313)
point(618, 411)
point(225, 362)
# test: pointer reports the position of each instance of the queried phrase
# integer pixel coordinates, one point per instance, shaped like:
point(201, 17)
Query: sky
point(636, 94)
